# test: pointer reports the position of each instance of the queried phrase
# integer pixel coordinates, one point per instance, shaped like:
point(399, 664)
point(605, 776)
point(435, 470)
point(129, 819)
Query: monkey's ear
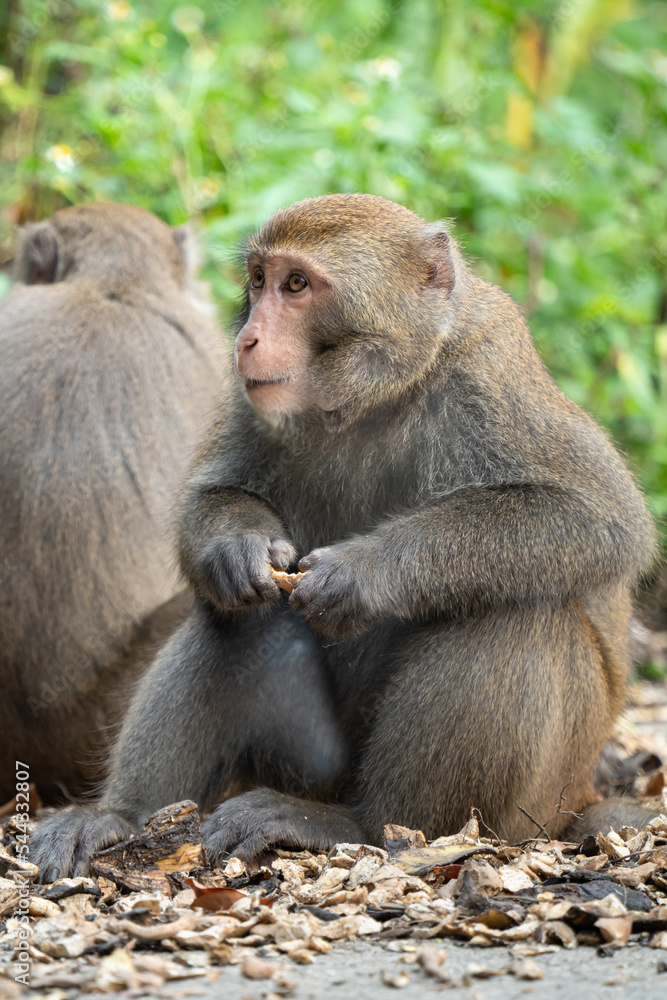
point(441, 261)
point(188, 248)
point(37, 254)
point(189, 252)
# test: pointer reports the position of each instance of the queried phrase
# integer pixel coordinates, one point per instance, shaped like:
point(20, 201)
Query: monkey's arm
point(480, 547)
point(513, 544)
point(229, 537)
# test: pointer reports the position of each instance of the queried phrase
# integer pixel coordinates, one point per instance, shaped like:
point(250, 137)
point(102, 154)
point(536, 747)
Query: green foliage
point(651, 671)
point(539, 126)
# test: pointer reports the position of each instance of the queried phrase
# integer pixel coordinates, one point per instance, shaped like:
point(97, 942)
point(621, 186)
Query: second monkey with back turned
point(469, 539)
point(111, 367)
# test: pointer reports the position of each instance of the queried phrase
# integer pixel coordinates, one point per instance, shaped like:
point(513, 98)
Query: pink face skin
point(273, 350)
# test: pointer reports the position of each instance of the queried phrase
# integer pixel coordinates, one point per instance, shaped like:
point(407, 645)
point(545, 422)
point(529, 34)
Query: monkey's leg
point(497, 712)
point(227, 702)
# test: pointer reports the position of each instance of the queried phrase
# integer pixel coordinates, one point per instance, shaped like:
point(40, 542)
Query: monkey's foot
point(61, 846)
point(248, 824)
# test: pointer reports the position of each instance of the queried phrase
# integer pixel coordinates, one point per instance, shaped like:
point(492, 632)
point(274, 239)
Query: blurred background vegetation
point(538, 125)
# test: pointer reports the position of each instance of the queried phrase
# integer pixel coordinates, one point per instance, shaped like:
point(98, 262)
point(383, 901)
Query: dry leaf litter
point(153, 912)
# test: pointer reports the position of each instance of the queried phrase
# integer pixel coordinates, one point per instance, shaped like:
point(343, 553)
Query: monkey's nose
point(244, 344)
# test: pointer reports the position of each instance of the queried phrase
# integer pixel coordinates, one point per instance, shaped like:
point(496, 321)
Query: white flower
point(119, 10)
point(62, 156)
point(206, 190)
point(386, 68)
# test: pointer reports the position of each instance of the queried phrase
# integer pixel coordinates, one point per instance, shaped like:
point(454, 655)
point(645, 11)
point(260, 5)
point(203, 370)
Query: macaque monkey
point(111, 368)
point(468, 538)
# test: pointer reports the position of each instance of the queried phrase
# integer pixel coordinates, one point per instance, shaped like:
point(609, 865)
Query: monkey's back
point(103, 402)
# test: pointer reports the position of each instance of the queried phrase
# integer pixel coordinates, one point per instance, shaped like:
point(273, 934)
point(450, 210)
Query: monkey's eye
point(257, 278)
point(296, 283)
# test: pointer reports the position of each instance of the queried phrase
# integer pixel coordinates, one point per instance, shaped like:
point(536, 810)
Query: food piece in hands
point(286, 581)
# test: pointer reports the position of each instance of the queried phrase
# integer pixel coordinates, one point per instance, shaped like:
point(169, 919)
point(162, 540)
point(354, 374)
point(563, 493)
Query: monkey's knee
point(62, 845)
point(477, 716)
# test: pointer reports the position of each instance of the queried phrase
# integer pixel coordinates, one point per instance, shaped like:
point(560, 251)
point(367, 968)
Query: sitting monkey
point(111, 367)
point(469, 540)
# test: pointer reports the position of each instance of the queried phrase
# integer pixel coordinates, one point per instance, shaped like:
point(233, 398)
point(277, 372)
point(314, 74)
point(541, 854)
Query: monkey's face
point(349, 300)
point(274, 350)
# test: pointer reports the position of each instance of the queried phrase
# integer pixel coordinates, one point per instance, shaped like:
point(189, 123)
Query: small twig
point(486, 825)
point(562, 799)
point(533, 820)
point(559, 811)
point(638, 854)
point(503, 846)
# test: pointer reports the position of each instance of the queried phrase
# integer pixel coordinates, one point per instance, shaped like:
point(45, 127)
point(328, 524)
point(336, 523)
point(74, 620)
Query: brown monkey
point(111, 365)
point(469, 539)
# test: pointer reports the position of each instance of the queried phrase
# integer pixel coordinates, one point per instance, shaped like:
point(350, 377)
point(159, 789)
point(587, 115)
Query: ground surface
point(364, 966)
point(353, 970)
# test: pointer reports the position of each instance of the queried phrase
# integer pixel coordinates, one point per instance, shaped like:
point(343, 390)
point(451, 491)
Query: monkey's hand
point(337, 595)
point(61, 846)
point(234, 571)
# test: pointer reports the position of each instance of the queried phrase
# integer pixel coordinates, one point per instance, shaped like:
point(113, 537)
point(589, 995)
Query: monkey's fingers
point(312, 559)
point(61, 845)
point(281, 553)
point(286, 581)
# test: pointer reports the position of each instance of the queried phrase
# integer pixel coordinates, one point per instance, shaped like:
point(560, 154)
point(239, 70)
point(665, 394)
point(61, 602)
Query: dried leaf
point(157, 932)
point(615, 930)
point(254, 967)
point(38, 907)
point(9, 865)
point(213, 898)
point(557, 931)
point(595, 863)
point(420, 861)
point(399, 980)
point(526, 969)
point(478, 971)
point(469, 834)
point(612, 845)
point(397, 838)
point(514, 880)
point(633, 876)
point(432, 961)
point(349, 926)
